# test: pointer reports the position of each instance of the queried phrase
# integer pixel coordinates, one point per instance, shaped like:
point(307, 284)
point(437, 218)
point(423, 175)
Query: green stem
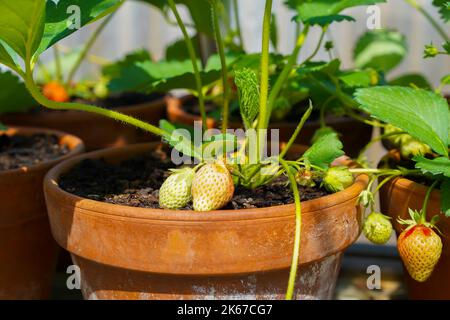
point(264, 83)
point(430, 19)
point(221, 49)
point(371, 142)
point(238, 23)
point(193, 57)
point(423, 215)
point(319, 44)
point(58, 68)
point(297, 130)
point(86, 48)
point(42, 100)
point(298, 227)
point(285, 73)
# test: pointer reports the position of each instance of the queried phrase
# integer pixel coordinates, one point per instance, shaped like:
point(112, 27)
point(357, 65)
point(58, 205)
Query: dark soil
point(25, 151)
point(136, 183)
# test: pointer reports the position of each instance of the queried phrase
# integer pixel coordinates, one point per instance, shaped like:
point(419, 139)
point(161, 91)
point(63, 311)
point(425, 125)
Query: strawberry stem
point(298, 226)
point(423, 213)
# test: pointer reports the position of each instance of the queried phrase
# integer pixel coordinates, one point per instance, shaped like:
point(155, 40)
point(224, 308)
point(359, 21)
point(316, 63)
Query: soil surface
point(136, 183)
point(25, 151)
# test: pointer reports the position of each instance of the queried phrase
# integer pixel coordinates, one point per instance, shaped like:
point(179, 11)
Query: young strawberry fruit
point(420, 249)
point(55, 92)
point(212, 187)
point(175, 192)
point(377, 228)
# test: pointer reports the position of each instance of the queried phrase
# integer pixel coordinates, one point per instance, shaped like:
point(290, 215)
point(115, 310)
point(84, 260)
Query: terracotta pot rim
point(150, 214)
point(77, 143)
point(176, 110)
point(124, 109)
point(408, 184)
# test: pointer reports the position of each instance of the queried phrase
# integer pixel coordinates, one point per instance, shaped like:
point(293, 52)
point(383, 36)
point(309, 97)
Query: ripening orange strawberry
point(212, 187)
point(420, 249)
point(55, 92)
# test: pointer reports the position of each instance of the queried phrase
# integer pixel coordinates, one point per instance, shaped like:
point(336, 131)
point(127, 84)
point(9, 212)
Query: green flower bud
point(430, 51)
point(377, 228)
point(305, 178)
point(337, 179)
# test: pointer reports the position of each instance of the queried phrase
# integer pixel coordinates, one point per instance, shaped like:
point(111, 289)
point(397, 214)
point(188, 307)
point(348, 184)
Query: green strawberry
point(337, 179)
point(377, 228)
point(175, 192)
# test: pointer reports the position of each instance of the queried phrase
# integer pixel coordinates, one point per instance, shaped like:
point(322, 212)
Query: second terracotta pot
point(137, 253)
point(354, 134)
point(396, 197)
point(27, 250)
point(97, 132)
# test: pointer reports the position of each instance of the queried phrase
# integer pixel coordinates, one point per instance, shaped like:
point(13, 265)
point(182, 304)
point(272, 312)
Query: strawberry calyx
point(418, 221)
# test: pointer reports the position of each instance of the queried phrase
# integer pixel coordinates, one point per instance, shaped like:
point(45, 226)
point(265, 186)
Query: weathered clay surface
point(27, 249)
point(132, 253)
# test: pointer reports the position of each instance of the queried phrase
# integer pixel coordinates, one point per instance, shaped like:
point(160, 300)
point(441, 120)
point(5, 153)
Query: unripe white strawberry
point(212, 187)
point(175, 192)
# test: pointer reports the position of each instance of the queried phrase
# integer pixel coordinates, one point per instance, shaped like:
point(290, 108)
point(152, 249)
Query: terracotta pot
point(138, 253)
point(27, 249)
point(354, 134)
point(395, 199)
point(96, 131)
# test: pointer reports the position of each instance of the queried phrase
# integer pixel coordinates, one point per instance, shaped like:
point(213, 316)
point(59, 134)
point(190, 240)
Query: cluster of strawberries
point(209, 188)
point(420, 247)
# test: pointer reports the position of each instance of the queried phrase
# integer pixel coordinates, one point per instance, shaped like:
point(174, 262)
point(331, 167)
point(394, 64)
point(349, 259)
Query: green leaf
point(326, 20)
point(200, 11)
point(114, 69)
point(22, 25)
point(3, 127)
point(324, 131)
point(61, 21)
point(382, 50)
point(445, 197)
point(436, 166)
point(324, 12)
point(357, 78)
point(325, 150)
point(14, 96)
point(422, 114)
point(6, 57)
point(247, 84)
point(181, 140)
point(218, 144)
point(444, 9)
point(274, 31)
point(178, 50)
point(329, 68)
point(411, 80)
point(149, 76)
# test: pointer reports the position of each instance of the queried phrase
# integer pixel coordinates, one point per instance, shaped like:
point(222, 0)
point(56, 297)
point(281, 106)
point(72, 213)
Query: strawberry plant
point(223, 160)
